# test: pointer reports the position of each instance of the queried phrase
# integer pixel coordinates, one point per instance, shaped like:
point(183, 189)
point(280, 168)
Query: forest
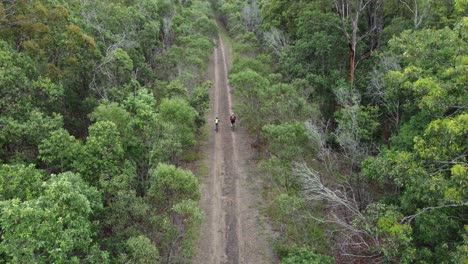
point(100, 104)
point(358, 110)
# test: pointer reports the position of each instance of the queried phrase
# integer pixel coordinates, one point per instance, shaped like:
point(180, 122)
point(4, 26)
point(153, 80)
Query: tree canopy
point(99, 101)
point(360, 109)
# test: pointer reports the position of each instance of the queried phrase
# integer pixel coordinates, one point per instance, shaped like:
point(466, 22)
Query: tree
point(20, 182)
point(140, 250)
point(200, 101)
point(252, 17)
point(429, 185)
point(21, 137)
point(286, 143)
point(60, 151)
point(80, 96)
point(21, 77)
point(102, 155)
point(375, 233)
point(177, 127)
point(349, 12)
point(248, 86)
point(170, 185)
point(419, 79)
point(304, 255)
point(61, 220)
point(174, 192)
point(419, 9)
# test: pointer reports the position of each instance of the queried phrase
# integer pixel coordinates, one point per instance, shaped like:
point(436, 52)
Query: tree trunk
point(374, 23)
point(352, 61)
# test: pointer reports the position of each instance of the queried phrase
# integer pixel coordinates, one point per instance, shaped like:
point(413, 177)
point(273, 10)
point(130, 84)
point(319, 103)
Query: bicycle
point(232, 118)
point(216, 124)
point(233, 126)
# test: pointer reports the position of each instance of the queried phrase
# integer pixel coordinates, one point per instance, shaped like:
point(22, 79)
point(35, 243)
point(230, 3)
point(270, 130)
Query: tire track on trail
point(230, 233)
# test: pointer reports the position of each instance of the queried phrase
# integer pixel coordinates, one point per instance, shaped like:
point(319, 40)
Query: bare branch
point(252, 16)
point(410, 218)
point(419, 11)
point(314, 189)
point(276, 39)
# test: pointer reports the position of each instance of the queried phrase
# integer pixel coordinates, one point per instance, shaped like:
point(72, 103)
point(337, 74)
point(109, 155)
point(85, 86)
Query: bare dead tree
point(276, 39)
point(317, 138)
point(89, 15)
point(348, 132)
point(419, 9)
point(101, 69)
point(90, 12)
point(385, 96)
point(252, 16)
point(115, 41)
point(333, 186)
point(374, 14)
point(349, 12)
point(410, 218)
point(167, 33)
point(8, 8)
point(342, 210)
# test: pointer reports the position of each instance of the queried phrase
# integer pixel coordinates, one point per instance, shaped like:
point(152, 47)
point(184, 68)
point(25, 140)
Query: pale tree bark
point(349, 12)
point(252, 16)
point(276, 39)
point(351, 241)
point(374, 14)
point(386, 97)
point(419, 9)
point(124, 39)
point(167, 34)
point(348, 132)
point(410, 218)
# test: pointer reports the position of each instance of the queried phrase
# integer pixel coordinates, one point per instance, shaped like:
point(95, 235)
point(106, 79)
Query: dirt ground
point(233, 230)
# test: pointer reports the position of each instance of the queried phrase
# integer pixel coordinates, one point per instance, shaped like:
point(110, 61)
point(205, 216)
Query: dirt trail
point(232, 231)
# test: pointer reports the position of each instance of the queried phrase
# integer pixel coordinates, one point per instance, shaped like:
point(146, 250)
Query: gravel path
point(232, 231)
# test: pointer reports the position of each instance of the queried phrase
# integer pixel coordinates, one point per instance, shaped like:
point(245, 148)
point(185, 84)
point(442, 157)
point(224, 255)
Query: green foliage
point(21, 85)
point(19, 181)
point(176, 89)
point(103, 153)
point(443, 139)
point(431, 176)
point(80, 94)
point(24, 135)
point(305, 256)
point(415, 126)
point(114, 113)
point(120, 66)
point(290, 218)
point(386, 221)
point(141, 250)
point(193, 218)
point(245, 63)
point(410, 93)
point(436, 86)
point(361, 120)
point(170, 185)
point(55, 227)
point(281, 14)
point(60, 150)
point(282, 103)
point(177, 124)
point(200, 101)
point(248, 86)
point(287, 141)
